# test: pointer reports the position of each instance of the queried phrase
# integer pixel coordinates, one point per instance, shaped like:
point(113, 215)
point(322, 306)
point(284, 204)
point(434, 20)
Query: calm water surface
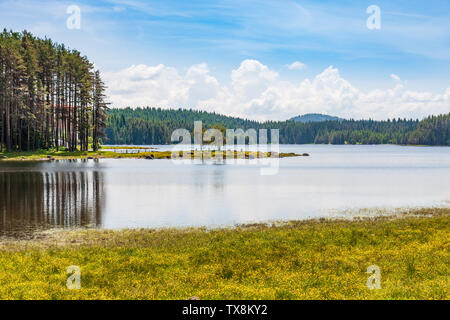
point(334, 180)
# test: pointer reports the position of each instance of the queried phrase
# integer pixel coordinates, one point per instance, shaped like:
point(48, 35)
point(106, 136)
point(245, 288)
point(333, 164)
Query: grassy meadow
point(319, 259)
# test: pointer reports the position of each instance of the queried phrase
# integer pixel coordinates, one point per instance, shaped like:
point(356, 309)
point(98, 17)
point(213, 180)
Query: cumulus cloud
point(297, 65)
point(256, 92)
point(141, 85)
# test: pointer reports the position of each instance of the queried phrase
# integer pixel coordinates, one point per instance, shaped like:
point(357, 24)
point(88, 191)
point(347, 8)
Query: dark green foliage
point(49, 95)
point(155, 126)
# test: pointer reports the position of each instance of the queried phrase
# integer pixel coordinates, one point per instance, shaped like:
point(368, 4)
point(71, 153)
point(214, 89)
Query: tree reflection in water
point(39, 200)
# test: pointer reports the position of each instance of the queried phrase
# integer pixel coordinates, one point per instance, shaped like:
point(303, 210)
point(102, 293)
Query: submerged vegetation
point(320, 259)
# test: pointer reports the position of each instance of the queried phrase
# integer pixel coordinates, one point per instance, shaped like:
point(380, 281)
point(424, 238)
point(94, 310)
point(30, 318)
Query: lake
point(125, 193)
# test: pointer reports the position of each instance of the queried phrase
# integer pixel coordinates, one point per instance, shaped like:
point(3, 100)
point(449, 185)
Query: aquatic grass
point(317, 259)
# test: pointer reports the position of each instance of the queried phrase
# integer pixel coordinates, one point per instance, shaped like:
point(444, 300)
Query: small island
point(132, 152)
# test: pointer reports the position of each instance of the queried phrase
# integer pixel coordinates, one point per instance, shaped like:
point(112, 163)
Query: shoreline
point(320, 259)
point(47, 155)
point(377, 215)
point(152, 155)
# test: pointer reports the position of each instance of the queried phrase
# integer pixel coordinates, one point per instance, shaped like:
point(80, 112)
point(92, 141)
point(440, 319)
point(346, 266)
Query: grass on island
point(322, 259)
point(66, 155)
point(127, 148)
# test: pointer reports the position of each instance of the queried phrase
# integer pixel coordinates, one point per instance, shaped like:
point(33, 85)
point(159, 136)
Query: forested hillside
point(50, 96)
point(155, 126)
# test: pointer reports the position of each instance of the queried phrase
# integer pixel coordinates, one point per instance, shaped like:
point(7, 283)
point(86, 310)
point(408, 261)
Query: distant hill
point(315, 117)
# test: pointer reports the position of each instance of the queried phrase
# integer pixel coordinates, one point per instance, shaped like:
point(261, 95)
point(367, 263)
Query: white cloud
point(251, 79)
point(256, 92)
point(297, 65)
point(395, 77)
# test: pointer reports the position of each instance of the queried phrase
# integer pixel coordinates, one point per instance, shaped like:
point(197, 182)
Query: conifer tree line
point(50, 96)
point(146, 126)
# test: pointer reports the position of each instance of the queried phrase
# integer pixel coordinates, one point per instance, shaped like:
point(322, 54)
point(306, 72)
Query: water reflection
point(129, 193)
point(31, 200)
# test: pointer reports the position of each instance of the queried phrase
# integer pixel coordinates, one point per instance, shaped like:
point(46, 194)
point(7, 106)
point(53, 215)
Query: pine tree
point(100, 111)
point(47, 95)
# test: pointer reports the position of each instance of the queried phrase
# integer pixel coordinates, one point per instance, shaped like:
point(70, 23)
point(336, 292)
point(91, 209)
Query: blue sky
point(413, 43)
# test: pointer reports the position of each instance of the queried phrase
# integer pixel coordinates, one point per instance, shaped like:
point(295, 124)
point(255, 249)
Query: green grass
point(61, 155)
point(322, 259)
point(126, 148)
point(44, 154)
